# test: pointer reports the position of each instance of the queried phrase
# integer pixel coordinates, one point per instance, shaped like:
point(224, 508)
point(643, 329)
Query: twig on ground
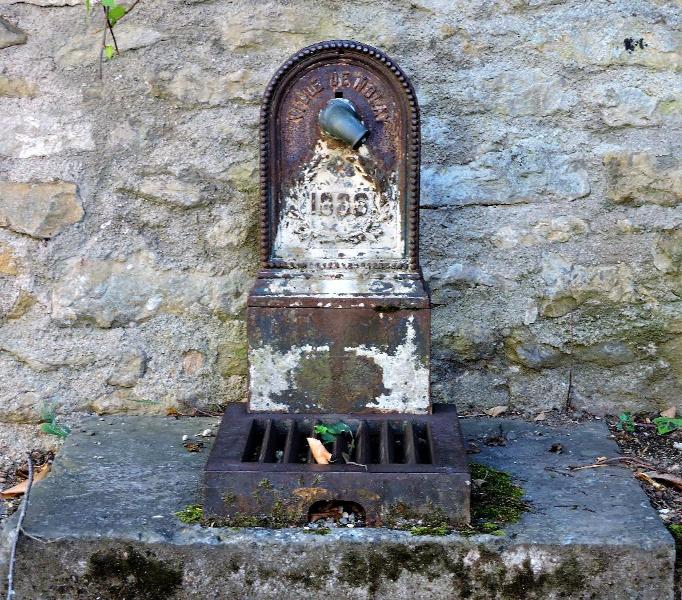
point(605, 462)
point(647, 479)
point(17, 533)
point(565, 473)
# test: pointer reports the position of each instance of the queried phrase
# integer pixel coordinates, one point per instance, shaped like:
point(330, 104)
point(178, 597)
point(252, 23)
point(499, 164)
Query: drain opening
point(336, 513)
point(372, 442)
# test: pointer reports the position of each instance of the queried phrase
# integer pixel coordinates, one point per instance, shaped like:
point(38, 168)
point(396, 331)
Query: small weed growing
point(625, 422)
point(48, 417)
point(328, 433)
point(666, 425)
point(319, 531)
point(191, 514)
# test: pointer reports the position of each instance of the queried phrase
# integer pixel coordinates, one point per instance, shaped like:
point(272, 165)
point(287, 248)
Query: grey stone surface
point(551, 196)
point(108, 510)
point(10, 35)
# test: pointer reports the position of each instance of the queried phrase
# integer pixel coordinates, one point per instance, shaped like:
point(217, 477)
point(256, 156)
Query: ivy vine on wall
point(113, 13)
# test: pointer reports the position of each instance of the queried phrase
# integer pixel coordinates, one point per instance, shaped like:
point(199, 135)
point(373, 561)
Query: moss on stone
point(486, 577)
point(402, 516)
point(676, 530)
point(318, 531)
point(192, 513)
point(420, 530)
point(129, 573)
point(495, 500)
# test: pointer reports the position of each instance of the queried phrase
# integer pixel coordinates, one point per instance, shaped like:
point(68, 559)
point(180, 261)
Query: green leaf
point(54, 428)
point(338, 428)
point(108, 3)
point(665, 425)
point(108, 51)
point(115, 13)
point(625, 422)
point(49, 413)
point(88, 6)
point(327, 437)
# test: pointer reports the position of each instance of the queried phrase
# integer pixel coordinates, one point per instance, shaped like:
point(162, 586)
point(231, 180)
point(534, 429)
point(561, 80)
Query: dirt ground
point(661, 452)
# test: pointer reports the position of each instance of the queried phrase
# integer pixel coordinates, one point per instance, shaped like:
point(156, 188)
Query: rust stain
point(308, 494)
point(367, 494)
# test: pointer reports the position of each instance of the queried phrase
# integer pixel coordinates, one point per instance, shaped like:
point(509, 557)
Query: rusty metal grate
point(283, 440)
point(262, 460)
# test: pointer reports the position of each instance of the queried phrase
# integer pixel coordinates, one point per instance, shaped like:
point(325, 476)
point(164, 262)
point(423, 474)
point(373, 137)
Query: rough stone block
point(11, 35)
point(41, 210)
point(107, 511)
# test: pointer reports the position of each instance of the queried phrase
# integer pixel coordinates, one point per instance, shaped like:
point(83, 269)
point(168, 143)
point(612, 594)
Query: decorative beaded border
point(413, 154)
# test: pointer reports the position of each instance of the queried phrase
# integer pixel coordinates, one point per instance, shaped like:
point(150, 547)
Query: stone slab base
point(106, 515)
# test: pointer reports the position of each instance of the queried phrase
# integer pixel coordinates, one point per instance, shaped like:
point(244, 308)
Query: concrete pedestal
point(106, 514)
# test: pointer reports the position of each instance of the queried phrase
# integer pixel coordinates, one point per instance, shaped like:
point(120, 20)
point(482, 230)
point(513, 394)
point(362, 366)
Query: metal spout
point(340, 120)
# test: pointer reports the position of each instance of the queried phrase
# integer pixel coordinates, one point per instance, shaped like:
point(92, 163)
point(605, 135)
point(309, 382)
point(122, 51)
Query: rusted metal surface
point(293, 149)
point(339, 360)
point(339, 231)
point(261, 463)
point(339, 318)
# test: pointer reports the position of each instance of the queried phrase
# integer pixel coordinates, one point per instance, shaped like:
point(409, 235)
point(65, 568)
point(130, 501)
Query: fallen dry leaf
point(320, 453)
point(496, 411)
point(669, 412)
point(669, 477)
point(191, 446)
point(20, 488)
point(541, 417)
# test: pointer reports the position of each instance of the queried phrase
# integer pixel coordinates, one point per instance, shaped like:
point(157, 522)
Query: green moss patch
point(318, 531)
point(192, 513)
point(495, 500)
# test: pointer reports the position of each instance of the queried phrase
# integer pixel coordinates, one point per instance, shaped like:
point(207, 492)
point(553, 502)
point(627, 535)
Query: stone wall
point(552, 186)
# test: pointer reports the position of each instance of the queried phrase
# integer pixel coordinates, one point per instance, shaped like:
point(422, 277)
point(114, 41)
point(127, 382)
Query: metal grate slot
point(362, 453)
point(423, 443)
point(254, 441)
point(291, 443)
point(267, 450)
point(382, 442)
point(410, 444)
point(385, 444)
point(397, 433)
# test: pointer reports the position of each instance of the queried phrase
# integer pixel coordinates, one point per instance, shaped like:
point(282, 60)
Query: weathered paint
point(404, 375)
point(342, 284)
point(325, 359)
point(339, 317)
point(270, 373)
point(339, 209)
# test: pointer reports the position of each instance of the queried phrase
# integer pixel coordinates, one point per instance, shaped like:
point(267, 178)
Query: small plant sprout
point(665, 425)
point(48, 418)
point(625, 422)
point(328, 433)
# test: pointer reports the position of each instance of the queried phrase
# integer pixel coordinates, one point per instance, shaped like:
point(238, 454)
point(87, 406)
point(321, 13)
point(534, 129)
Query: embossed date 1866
point(341, 204)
